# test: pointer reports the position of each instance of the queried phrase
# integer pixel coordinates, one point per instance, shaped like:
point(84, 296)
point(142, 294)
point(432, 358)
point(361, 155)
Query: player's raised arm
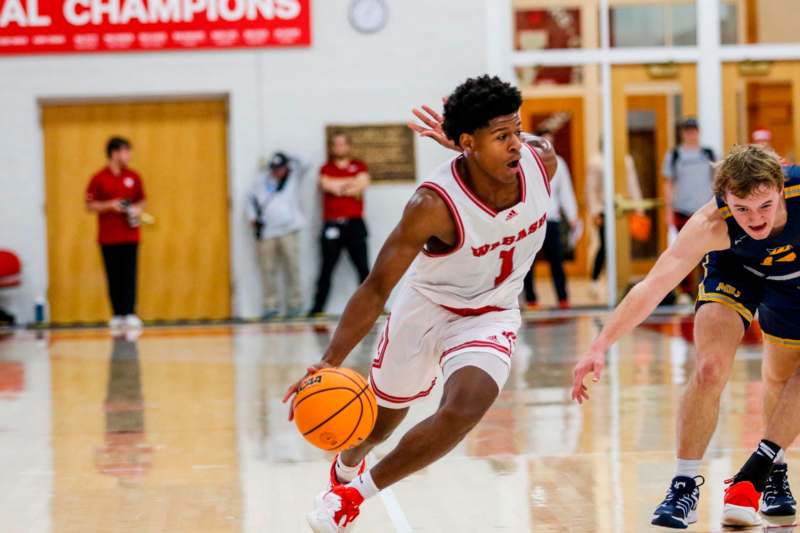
point(425, 216)
point(705, 232)
point(431, 127)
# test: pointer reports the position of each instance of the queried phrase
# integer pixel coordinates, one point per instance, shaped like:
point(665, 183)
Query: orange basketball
point(335, 409)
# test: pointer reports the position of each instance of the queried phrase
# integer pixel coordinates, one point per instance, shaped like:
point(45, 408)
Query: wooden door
point(565, 115)
point(762, 98)
point(639, 87)
point(180, 150)
point(647, 146)
point(769, 105)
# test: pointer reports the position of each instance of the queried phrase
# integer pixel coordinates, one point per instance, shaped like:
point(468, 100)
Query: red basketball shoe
point(336, 510)
point(741, 505)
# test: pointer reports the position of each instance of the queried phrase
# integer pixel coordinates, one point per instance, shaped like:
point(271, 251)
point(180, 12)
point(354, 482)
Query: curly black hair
point(477, 101)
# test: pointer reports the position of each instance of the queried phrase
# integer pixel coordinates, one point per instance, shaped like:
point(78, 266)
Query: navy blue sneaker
point(777, 499)
point(679, 508)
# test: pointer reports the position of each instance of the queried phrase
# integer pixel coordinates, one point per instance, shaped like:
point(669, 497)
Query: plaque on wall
point(388, 149)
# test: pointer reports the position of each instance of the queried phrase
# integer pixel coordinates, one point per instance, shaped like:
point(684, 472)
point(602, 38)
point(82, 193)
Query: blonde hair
point(747, 168)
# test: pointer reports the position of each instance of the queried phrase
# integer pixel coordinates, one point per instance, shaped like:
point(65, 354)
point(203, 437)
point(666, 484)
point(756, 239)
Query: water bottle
point(38, 310)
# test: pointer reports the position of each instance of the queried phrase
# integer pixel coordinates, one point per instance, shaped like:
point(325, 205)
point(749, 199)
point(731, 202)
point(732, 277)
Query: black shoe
point(777, 499)
point(679, 508)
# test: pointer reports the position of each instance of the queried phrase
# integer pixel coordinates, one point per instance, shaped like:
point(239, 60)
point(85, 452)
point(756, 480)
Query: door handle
point(624, 205)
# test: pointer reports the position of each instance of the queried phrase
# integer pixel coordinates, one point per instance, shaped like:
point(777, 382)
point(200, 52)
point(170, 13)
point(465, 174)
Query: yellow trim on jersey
point(720, 298)
point(727, 302)
point(725, 211)
point(791, 192)
point(780, 341)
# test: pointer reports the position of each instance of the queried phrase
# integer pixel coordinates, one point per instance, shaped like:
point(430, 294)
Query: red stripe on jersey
point(382, 344)
point(477, 344)
point(474, 197)
point(539, 162)
point(398, 399)
point(456, 217)
point(474, 311)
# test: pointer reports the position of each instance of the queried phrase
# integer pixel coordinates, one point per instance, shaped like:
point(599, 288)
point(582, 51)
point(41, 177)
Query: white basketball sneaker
point(133, 322)
point(335, 510)
point(116, 322)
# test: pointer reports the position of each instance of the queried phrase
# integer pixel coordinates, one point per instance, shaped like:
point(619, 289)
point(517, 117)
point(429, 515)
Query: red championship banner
point(51, 26)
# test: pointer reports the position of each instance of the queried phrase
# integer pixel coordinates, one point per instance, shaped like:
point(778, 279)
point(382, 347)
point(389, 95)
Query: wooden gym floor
point(182, 430)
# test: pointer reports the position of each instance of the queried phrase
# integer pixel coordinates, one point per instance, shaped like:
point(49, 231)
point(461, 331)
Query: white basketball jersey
point(485, 269)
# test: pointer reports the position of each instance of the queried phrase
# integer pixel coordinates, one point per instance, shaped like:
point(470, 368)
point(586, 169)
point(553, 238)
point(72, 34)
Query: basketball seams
point(309, 395)
point(342, 408)
point(362, 391)
point(369, 403)
point(355, 427)
point(372, 412)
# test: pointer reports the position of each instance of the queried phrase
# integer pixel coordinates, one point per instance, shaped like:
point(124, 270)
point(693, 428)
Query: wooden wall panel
point(180, 149)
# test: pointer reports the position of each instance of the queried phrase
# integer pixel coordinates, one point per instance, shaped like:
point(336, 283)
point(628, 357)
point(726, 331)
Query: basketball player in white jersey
point(469, 235)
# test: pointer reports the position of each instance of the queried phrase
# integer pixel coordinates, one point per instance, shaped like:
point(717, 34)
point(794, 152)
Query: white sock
point(688, 467)
point(344, 473)
point(779, 458)
point(364, 485)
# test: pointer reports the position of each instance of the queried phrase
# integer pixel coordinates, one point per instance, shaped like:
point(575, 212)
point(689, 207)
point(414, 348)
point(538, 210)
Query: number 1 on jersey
point(506, 266)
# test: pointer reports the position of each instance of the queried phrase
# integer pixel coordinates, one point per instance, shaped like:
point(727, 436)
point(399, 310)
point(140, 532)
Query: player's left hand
point(292, 390)
point(594, 363)
point(432, 128)
point(537, 142)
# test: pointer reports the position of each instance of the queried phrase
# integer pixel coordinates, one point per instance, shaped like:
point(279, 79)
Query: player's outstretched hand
point(592, 363)
point(291, 391)
point(431, 126)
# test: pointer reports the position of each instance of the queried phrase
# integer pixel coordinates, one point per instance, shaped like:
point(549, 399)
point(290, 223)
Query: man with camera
point(116, 194)
point(273, 209)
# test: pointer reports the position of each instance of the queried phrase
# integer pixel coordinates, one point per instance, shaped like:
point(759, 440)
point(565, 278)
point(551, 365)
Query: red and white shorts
point(422, 340)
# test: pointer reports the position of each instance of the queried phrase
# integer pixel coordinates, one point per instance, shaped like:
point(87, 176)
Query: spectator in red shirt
point(343, 181)
point(117, 195)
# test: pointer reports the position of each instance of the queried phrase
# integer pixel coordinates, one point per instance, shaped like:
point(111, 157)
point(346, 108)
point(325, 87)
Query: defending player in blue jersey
point(748, 239)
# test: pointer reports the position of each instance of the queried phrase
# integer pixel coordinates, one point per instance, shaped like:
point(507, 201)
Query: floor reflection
point(184, 430)
point(125, 453)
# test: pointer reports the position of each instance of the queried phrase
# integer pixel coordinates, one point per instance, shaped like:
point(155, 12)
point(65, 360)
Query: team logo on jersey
point(128, 182)
point(729, 289)
point(785, 252)
point(511, 214)
point(508, 240)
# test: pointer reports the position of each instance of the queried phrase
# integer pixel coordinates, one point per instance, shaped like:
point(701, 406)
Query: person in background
point(116, 194)
point(763, 138)
point(688, 170)
point(343, 181)
point(562, 199)
point(273, 209)
point(595, 199)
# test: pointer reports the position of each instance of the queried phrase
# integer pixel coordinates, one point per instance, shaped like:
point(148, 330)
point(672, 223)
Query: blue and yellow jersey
point(776, 258)
point(760, 275)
